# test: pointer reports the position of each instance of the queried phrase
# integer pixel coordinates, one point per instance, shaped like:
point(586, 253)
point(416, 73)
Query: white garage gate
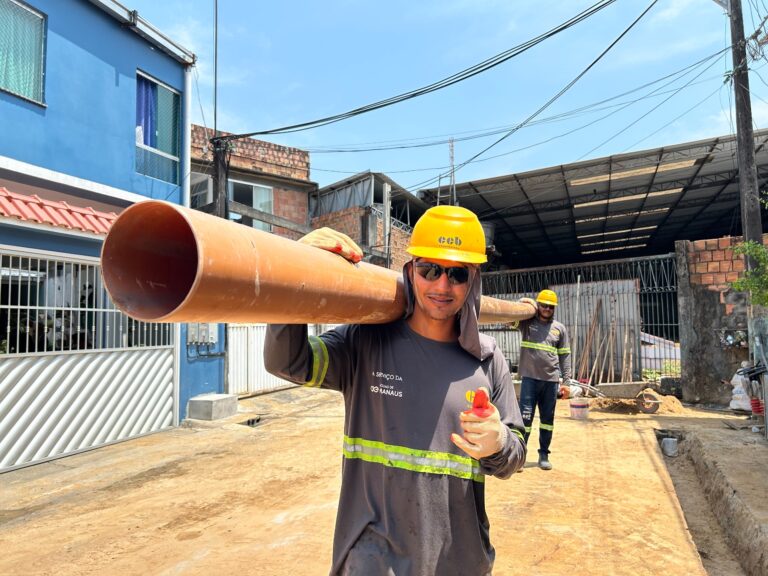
point(75, 373)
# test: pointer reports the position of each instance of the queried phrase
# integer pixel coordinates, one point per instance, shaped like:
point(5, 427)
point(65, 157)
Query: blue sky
point(282, 63)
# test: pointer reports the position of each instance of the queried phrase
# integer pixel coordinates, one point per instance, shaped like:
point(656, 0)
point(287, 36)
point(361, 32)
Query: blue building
point(94, 104)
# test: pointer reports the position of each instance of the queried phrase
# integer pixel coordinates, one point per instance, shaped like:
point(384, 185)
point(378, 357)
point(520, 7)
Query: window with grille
point(157, 130)
point(58, 305)
point(22, 50)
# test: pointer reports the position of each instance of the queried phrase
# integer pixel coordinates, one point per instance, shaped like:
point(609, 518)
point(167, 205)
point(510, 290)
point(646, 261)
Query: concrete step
point(212, 406)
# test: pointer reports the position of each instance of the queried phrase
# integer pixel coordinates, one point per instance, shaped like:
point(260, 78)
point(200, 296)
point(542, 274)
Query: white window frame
point(160, 153)
point(230, 194)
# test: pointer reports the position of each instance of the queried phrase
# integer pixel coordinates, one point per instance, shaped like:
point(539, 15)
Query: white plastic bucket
point(579, 408)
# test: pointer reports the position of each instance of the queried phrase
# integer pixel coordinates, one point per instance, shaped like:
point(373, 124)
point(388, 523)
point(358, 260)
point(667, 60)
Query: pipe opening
point(149, 260)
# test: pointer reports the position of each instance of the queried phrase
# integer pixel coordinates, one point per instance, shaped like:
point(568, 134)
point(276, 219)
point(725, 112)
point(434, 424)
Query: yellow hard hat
point(449, 233)
point(547, 297)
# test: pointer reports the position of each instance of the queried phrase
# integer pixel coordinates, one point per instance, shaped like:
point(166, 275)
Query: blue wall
point(42, 240)
point(201, 373)
point(86, 129)
point(87, 126)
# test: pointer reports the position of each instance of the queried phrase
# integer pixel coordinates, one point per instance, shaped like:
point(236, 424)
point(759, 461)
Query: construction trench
point(257, 494)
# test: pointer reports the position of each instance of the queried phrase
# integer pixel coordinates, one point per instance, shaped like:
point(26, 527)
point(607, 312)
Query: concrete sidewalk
point(223, 497)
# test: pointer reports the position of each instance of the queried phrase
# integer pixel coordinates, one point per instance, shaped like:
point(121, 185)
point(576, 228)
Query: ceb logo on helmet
point(443, 241)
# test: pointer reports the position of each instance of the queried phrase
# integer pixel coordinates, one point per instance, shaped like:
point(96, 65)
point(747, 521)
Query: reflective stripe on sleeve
point(319, 362)
point(422, 461)
point(563, 350)
point(538, 346)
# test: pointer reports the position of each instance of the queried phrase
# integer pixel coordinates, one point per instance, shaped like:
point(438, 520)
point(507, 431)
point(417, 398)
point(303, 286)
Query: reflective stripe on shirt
point(539, 346)
point(563, 350)
point(424, 461)
point(319, 362)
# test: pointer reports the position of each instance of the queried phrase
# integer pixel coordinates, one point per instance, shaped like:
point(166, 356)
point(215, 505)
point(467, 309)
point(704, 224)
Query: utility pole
point(751, 221)
point(218, 145)
point(220, 198)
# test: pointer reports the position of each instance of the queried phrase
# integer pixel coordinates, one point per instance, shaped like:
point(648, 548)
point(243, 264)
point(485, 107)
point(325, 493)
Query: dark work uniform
point(545, 357)
point(411, 503)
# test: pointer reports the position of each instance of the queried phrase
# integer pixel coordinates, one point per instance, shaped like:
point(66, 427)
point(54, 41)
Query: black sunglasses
point(431, 272)
point(548, 306)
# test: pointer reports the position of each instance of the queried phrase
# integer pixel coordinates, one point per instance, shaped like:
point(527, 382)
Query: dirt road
point(231, 499)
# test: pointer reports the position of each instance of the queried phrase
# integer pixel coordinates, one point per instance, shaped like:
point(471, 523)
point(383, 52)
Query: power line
point(628, 126)
point(615, 108)
point(476, 134)
point(551, 100)
point(440, 84)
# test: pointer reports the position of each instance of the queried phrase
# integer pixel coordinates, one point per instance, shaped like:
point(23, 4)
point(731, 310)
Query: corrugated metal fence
point(246, 373)
point(622, 316)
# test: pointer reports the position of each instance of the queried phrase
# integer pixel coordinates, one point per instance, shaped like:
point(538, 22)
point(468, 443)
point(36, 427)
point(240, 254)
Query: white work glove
point(530, 301)
point(482, 436)
point(333, 241)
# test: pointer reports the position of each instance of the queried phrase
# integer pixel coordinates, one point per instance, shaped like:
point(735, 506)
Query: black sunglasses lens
point(431, 272)
point(458, 275)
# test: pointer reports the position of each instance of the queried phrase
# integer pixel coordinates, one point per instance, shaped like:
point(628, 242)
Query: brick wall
point(270, 159)
point(398, 240)
point(292, 205)
point(709, 311)
point(713, 264)
point(257, 155)
point(350, 222)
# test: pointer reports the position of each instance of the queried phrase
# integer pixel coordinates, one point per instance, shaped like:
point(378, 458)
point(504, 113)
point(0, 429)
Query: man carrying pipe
point(418, 444)
point(545, 362)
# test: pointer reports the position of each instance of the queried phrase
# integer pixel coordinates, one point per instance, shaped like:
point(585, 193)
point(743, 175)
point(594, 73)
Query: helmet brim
point(448, 254)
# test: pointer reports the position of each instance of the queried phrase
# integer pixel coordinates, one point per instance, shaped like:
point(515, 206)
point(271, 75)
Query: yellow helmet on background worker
point(547, 297)
point(449, 233)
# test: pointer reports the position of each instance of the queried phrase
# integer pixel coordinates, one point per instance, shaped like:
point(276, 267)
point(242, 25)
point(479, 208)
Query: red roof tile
point(60, 214)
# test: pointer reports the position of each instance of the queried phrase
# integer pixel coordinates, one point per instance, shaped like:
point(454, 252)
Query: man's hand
point(333, 241)
point(482, 436)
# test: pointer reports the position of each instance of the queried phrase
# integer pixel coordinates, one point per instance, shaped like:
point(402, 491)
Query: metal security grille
point(622, 316)
point(22, 43)
point(56, 305)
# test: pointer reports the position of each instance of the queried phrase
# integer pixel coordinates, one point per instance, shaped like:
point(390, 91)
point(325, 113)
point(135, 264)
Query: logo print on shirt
point(385, 388)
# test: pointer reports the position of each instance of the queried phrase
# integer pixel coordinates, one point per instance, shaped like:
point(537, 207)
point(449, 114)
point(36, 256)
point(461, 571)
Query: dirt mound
point(669, 405)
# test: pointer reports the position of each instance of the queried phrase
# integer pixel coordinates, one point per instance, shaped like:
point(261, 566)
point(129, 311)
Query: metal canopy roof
point(622, 206)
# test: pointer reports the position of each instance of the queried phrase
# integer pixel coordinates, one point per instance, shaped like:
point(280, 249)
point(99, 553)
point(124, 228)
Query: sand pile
point(669, 405)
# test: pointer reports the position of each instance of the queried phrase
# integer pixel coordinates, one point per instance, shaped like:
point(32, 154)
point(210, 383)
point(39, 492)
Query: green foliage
point(671, 368)
point(650, 375)
point(755, 280)
point(668, 368)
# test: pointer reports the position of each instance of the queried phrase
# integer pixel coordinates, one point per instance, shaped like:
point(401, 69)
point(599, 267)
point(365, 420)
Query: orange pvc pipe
point(165, 263)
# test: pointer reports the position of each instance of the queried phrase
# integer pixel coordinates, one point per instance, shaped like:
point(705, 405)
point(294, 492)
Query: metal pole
point(215, 61)
point(387, 221)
